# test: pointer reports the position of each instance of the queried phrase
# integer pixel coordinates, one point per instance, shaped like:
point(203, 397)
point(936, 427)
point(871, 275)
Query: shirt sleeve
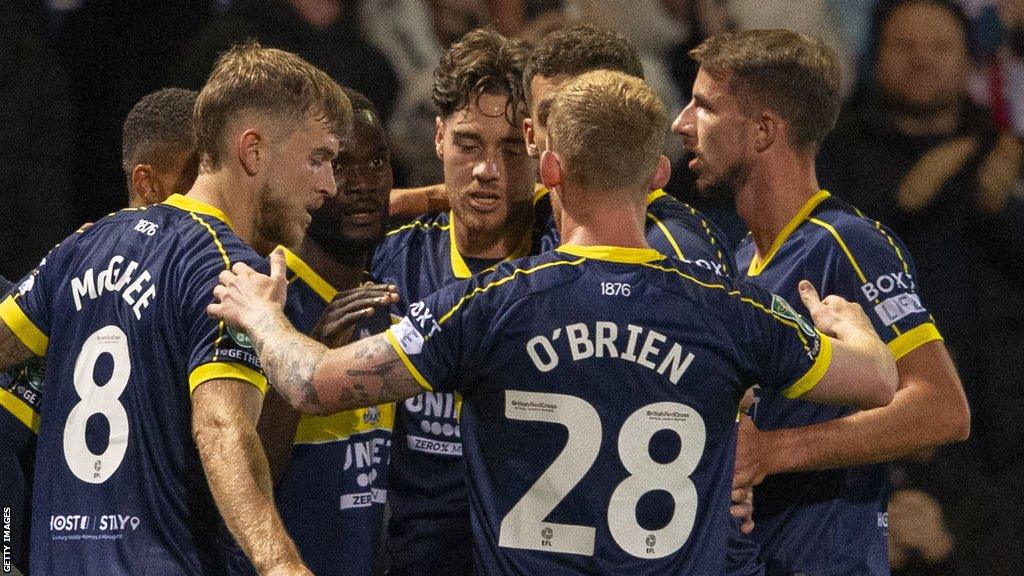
point(874, 269)
point(777, 347)
point(26, 309)
point(441, 338)
point(690, 237)
point(217, 350)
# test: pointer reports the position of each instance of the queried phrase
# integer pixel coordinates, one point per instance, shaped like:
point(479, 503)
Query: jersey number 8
point(524, 526)
point(97, 399)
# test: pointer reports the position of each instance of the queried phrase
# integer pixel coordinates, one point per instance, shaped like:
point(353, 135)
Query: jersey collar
point(192, 205)
point(616, 254)
point(459, 267)
point(756, 264)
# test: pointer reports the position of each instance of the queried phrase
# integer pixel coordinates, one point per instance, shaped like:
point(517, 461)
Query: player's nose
point(487, 170)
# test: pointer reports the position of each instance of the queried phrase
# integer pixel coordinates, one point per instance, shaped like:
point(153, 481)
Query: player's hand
point(752, 458)
point(834, 315)
point(743, 508)
point(335, 326)
point(289, 569)
point(244, 296)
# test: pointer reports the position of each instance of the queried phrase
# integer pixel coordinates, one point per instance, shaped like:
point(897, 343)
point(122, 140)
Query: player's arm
point(311, 378)
point(413, 202)
point(276, 429)
point(12, 350)
point(861, 372)
point(929, 409)
point(224, 415)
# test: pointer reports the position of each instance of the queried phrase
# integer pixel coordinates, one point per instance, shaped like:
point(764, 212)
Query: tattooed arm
point(311, 378)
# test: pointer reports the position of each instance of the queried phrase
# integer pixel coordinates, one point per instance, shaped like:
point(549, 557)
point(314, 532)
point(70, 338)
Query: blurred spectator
point(999, 47)
point(915, 153)
point(324, 32)
point(413, 35)
point(37, 145)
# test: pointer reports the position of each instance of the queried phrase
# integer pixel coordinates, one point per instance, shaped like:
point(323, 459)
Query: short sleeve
point(442, 334)
point(216, 350)
point(26, 310)
point(778, 348)
point(875, 270)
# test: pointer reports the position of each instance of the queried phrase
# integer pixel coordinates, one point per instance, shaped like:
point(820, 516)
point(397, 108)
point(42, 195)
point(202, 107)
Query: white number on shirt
point(524, 526)
point(99, 399)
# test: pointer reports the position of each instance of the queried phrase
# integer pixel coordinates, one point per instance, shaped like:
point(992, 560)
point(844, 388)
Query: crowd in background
point(929, 144)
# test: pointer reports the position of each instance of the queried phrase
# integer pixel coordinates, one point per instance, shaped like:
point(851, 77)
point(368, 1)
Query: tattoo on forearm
point(289, 360)
point(380, 357)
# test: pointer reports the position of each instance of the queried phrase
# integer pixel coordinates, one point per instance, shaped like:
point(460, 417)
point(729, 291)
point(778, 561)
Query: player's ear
point(550, 169)
point(144, 184)
point(662, 173)
point(439, 137)
point(769, 130)
point(251, 150)
point(531, 141)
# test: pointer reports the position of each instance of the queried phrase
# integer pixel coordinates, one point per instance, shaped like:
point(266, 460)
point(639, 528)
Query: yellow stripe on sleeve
point(668, 235)
point(20, 410)
point(813, 376)
point(408, 363)
point(909, 341)
point(225, 370)
point(30, 335)
point(322, 287)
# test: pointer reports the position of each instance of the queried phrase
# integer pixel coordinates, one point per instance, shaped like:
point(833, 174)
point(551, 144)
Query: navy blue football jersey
point(599, 391)
point(832, 522)
point(428, 530)
point(331, 497)
point(675, 229)
point(119, 312)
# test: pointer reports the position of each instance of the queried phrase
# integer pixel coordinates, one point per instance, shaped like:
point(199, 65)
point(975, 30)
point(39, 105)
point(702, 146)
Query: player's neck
point(499, 243)
point(342, 274)
point(773, 196)
point(605, 222)
point(221, 191)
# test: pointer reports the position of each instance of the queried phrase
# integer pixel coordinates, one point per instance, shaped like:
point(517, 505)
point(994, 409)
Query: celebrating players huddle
point(543, 379)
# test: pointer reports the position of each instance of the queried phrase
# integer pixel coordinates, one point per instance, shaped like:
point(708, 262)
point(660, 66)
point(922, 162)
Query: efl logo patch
point(783, 309)
point(240, 338)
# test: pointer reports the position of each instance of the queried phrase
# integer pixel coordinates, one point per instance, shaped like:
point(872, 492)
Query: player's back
point(600, 391)
point(120, 311)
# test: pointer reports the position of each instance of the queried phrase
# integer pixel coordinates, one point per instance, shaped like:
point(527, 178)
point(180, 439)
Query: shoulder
point(856, 237)
point(410, 236)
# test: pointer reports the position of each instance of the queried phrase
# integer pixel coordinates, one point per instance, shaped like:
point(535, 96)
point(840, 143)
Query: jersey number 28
point(524, 525)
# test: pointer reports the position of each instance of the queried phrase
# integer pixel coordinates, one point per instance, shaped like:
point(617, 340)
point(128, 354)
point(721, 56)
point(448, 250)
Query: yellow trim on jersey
point(30, 335)
point(655, 194)
point(229, 370)
point(814, 374)
point(420, 225)
point(668, 235)
point(739, 295)
point(846, 250)
point(17, 407)
point(343, 425)
point(756, 263)
point(613, 253)
point(408, 363)
point(539, 193)
point(459, 267)
point(909, 341)
point(322, 287)
point(192, 205)
point(524, 271)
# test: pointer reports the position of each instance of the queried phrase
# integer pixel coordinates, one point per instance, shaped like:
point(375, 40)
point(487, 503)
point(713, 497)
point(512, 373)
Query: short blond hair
point(249, 78)
point(608, 128)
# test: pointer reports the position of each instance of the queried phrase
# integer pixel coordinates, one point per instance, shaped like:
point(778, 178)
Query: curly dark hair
point(158, 125)
point(578, 49)
point(481, 62)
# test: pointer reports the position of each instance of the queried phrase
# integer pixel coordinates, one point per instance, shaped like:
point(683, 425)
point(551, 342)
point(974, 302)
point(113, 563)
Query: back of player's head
point(481, 62)
point(359, 101)
point(271, 83)
point(577, 49)
point(608, 128)
point(796, 75)
point(158, 128)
